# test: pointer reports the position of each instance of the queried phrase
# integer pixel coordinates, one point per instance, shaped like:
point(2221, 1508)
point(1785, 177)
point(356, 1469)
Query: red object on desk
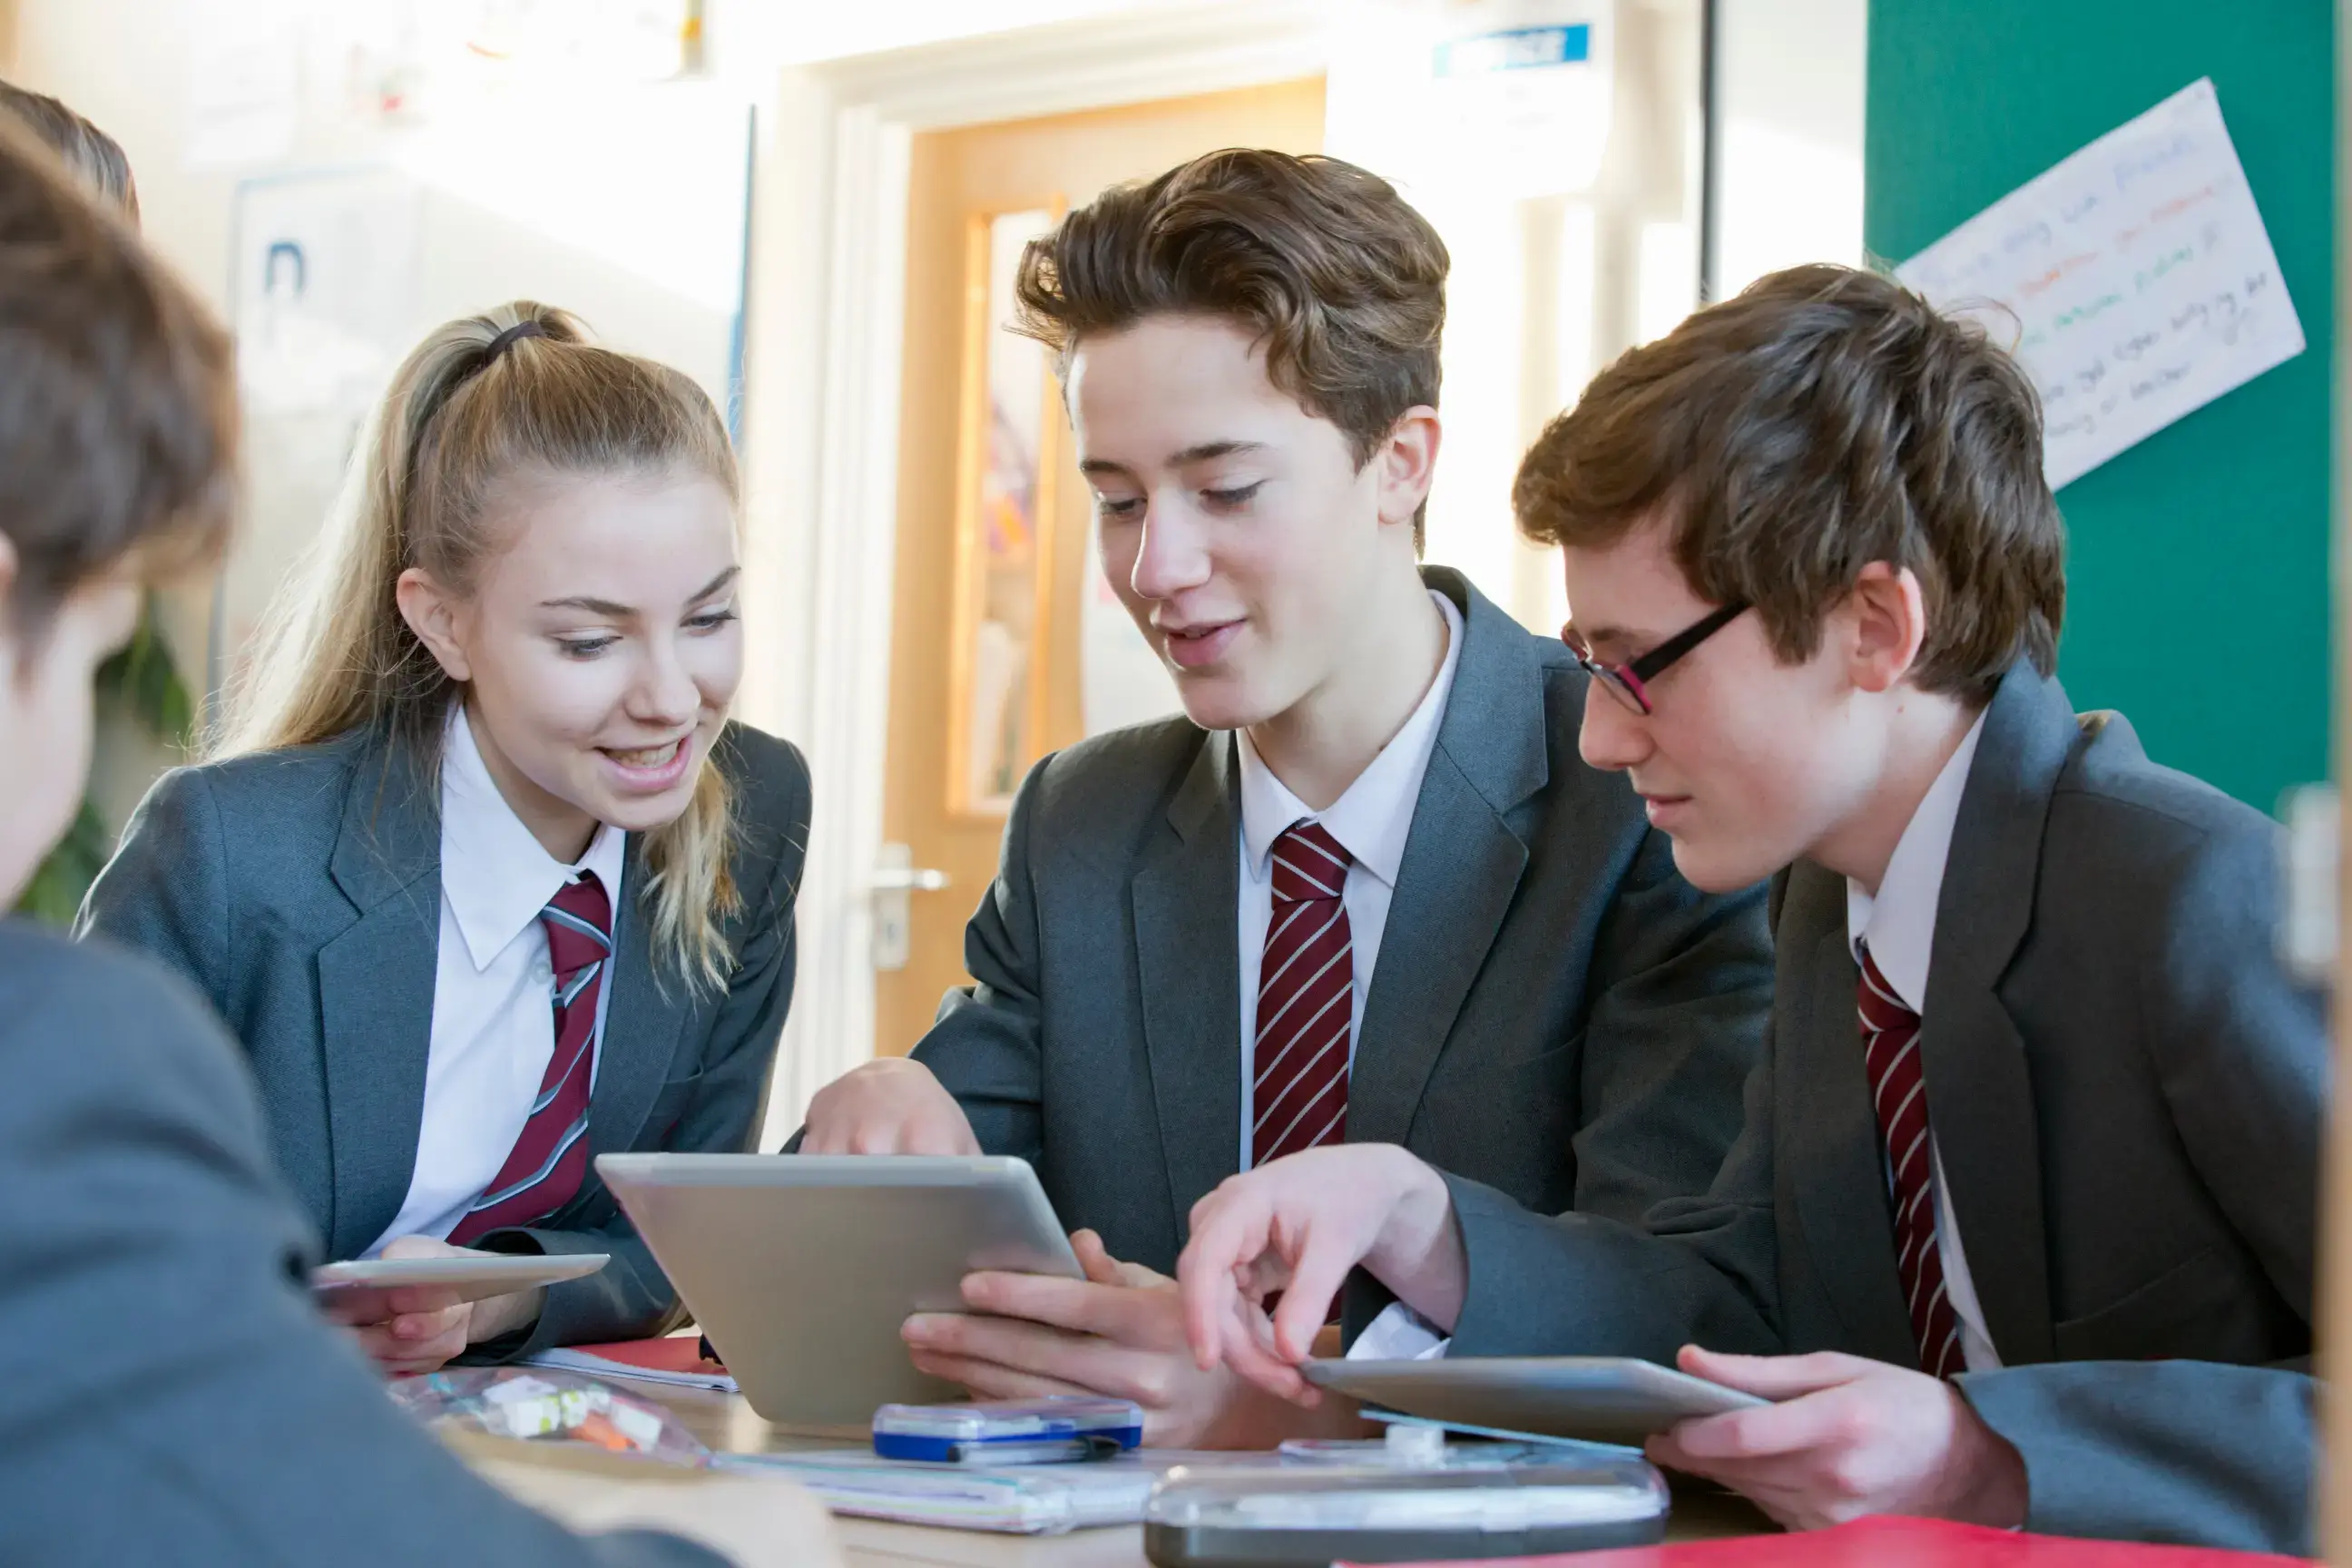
point(1891, 1543)
point(676, 1352)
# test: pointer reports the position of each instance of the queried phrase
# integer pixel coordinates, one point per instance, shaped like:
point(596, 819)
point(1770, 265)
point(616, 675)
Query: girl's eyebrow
point(597, 606)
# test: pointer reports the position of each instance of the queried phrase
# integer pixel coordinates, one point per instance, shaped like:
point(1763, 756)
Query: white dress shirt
point(1899, 926)
point(1371, 822)
point(493, 988)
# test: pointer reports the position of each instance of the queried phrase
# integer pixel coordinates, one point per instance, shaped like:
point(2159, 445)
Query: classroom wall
point(762, 31)
point(2198, 581)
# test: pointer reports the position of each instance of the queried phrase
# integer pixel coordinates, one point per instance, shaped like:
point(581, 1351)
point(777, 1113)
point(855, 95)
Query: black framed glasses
point(1630, 682)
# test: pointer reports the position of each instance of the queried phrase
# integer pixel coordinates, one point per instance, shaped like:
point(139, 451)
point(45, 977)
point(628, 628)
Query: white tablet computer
point(1600, 1399)
point(802, 1266)
point(467, 1278)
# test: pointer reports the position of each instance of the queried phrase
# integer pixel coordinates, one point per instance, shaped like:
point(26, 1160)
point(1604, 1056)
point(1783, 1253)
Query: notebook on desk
point(677, 1360)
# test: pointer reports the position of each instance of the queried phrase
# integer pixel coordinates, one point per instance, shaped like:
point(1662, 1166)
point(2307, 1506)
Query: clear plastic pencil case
point(546, 1406)
point(1008, 1432)
point(1310, 1515)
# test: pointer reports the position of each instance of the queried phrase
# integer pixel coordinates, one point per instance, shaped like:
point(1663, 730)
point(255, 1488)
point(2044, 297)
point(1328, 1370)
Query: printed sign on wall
point(2135, 280)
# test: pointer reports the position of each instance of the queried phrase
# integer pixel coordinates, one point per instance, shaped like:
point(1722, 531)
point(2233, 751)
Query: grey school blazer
point(1555, 1011)
point(300, 891)
point(2128, 1095)
point(167, 1394)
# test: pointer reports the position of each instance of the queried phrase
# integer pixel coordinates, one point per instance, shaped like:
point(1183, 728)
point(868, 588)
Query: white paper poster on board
point(325, 301)
point(2136, 280)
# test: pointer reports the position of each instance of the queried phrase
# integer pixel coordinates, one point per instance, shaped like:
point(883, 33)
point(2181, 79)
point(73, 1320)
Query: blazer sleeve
point(160, 1368)
point(1671, 1239)
point(631, 1297)
point(2188, 1450)
point(1699, 1270)
point(1684, 995)
point(166, 891)
point(985, 1047)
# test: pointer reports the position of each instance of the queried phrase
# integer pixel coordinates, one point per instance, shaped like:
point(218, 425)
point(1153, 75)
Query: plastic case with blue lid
point(1009, 1431)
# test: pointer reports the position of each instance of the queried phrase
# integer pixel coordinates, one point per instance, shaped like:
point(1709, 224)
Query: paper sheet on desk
point(1021, 1499)
point(2140, 279)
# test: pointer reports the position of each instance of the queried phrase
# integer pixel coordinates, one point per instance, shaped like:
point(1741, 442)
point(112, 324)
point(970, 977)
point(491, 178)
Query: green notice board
point(2198, 580)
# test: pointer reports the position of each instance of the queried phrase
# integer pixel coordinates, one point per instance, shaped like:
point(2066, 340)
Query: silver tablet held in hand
point(1598, 1399)
point(467, 1278)
point(800, 1268)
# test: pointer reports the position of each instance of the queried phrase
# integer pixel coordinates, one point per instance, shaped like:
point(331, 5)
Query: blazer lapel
point(1979, 1088)
point(1460, 872)
point(1186, 895)
point(1460, 869)
point(376, 994)
point(1831, 1141)
point(641, 1024)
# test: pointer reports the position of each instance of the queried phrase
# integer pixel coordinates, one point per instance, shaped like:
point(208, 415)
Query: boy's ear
point(1407, 461)
point(430, 612)
point(1889, 624)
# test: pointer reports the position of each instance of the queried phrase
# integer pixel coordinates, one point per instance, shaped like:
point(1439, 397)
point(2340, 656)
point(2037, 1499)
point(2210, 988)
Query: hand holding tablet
point(1597, 1399)
point(802, 1268)
point(426, 1300)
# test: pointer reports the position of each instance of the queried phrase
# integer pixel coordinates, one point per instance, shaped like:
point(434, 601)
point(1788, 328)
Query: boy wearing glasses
point(1364, 889)
point(2027, 1184)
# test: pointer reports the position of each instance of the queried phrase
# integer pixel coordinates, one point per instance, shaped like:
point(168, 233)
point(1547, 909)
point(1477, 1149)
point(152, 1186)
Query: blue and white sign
point(1488, 97)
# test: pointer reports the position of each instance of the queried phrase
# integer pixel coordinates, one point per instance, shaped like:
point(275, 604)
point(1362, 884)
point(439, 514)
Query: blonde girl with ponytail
point(478, 867)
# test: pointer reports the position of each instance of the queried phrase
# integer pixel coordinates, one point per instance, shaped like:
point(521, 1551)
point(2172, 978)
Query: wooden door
point(994, 521)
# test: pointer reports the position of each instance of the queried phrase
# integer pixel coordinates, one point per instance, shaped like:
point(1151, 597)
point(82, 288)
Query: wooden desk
point(728, 1425)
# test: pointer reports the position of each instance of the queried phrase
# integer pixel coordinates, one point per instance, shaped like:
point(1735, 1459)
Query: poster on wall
point(324, 301)
point(244, 65)
point(2135, 280)
point(1499, 98)
point(414, 62)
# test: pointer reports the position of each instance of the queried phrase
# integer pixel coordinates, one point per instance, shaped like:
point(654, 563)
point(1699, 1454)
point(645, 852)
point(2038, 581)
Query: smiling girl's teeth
point(650, 757)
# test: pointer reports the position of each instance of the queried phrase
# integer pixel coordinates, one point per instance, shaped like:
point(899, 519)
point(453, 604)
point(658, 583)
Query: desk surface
point(727, 1424)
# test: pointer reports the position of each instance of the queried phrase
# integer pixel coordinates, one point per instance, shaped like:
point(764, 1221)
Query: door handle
point(909, 879)
point(896, 875)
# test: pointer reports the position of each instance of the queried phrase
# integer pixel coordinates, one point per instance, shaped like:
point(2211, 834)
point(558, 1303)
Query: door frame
point(827, 306)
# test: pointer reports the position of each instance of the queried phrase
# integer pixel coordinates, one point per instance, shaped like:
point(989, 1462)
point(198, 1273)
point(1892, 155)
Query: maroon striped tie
point(551, 1155)
point(1898, 1091)
point(1305, 997)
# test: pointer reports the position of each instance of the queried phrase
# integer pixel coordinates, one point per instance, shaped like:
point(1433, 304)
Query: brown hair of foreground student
point(118, 403)
point(93, 157)
point(1823, 419)
point(1333, 272)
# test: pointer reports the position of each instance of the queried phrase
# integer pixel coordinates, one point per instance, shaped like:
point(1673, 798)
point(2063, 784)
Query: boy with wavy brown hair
point(1363, 889)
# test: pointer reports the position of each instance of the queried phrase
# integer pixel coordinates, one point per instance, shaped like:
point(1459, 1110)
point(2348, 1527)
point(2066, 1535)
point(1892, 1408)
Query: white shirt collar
point(1373, 819)
point(1899, 924)
point(495, 874)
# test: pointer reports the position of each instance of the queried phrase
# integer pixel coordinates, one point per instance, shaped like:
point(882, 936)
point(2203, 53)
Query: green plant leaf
point(56, 892)
point(141, 680)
